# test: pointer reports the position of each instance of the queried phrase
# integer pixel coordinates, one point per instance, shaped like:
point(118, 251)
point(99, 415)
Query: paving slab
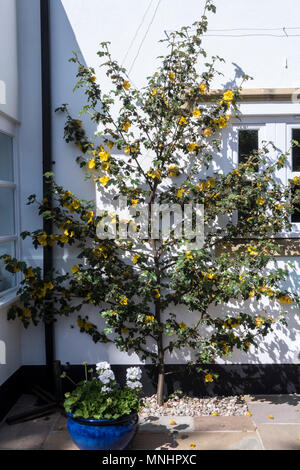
point(223, 423)
point(275, 409)
point(162, 424)
point(153, 441)
point(280, 436)
point(59, 440)
point(28, 435)
point(230, 440)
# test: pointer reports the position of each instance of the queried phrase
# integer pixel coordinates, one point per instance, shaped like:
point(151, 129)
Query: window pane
point(296, 215)
point(296, 150)
point(7, 225)
point(6, 158)
point(7, 280)
point(248, 141)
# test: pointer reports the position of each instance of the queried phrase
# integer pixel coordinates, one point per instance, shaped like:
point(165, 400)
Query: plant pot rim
point(104, 422)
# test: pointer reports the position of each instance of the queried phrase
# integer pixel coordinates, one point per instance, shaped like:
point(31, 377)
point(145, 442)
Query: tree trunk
point(160, 385)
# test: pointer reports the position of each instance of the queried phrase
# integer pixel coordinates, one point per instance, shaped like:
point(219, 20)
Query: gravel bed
point(189, 406)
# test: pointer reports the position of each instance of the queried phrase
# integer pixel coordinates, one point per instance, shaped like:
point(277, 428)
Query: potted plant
point(102, 415)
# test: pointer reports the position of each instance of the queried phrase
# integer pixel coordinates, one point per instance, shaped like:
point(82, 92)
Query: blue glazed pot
point(103, 434)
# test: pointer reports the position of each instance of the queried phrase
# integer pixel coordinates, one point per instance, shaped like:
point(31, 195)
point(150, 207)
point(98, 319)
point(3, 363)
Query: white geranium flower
point(106, 376)
point(102, 366)
point(106, 389)
point(134, 384)
point(133, 373)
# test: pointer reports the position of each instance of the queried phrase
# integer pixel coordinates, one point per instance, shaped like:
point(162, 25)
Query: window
point(8, 237)
point(247, 143)
point(295, 168)
point(296, 151)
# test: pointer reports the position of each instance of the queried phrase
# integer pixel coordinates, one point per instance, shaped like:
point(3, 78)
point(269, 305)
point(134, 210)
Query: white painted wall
point(81, 25)
point(10, 333)
point(30, 153)
point(8, 59)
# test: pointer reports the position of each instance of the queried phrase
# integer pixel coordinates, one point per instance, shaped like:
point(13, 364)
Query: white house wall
point(8, 59)
point(80, 25)
point(30, 153)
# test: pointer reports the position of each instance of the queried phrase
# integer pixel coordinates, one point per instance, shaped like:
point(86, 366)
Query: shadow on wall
point(67, 172)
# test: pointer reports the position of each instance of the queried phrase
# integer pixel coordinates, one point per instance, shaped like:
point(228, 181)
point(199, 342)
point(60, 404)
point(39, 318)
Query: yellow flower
point(172, 422)
point(182, 325)
point(202, 87)
point(182, 121)
point(270, 416)
point(90, 214)
point(134, 202)
point(154, 175)
point(105, 166)
point(259, 321)
point(222, 121)
point(110, 144)
point(296, 180)
point(197, 113)
point(64, 239)
point(126, 125)
point(26, 312)
point(75, 205)
point(49, 285)
point(104, 180)
point(180, 193)
point(192, 147)
point(157, 293)
point(252, 251)
point(154, 91)
point(126, 85)
point(149, 319)
point(285, 299)
point(29, 273)
point(93, 78)
point(75, 269)
point(228, 95)
point(207, 132)
point(248, 414)
point(104, 156)
point(173, 170)
point(172, 76)
point(251, 294)
point(209, 378)
point(260, 201)
point(42, 239)
point(135, 258)
point(127, 150)
point(279, 207)
point(52, 240)
point(91, 164)
point(124, 301)
point(188, 255)
point(192, 446)
point(214, 413)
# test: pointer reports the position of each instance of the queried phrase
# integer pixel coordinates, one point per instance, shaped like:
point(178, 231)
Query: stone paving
point(274, 424)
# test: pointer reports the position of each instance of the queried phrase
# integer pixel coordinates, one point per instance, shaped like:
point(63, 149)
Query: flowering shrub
point(101, 397)
point(137, 286)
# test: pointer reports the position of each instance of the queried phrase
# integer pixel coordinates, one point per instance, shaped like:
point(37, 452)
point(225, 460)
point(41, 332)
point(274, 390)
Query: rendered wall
point(80, 25)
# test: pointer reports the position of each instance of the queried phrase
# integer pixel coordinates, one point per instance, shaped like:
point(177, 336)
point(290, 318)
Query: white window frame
point(236, 127)
point(10, 128)
point(290, 174)
point(234, 133)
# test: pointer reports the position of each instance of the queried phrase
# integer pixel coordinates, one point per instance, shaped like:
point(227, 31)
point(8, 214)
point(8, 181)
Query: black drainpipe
point(47, 162)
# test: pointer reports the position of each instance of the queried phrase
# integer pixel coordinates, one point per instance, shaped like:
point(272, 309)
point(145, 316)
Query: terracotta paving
point(274, 424)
